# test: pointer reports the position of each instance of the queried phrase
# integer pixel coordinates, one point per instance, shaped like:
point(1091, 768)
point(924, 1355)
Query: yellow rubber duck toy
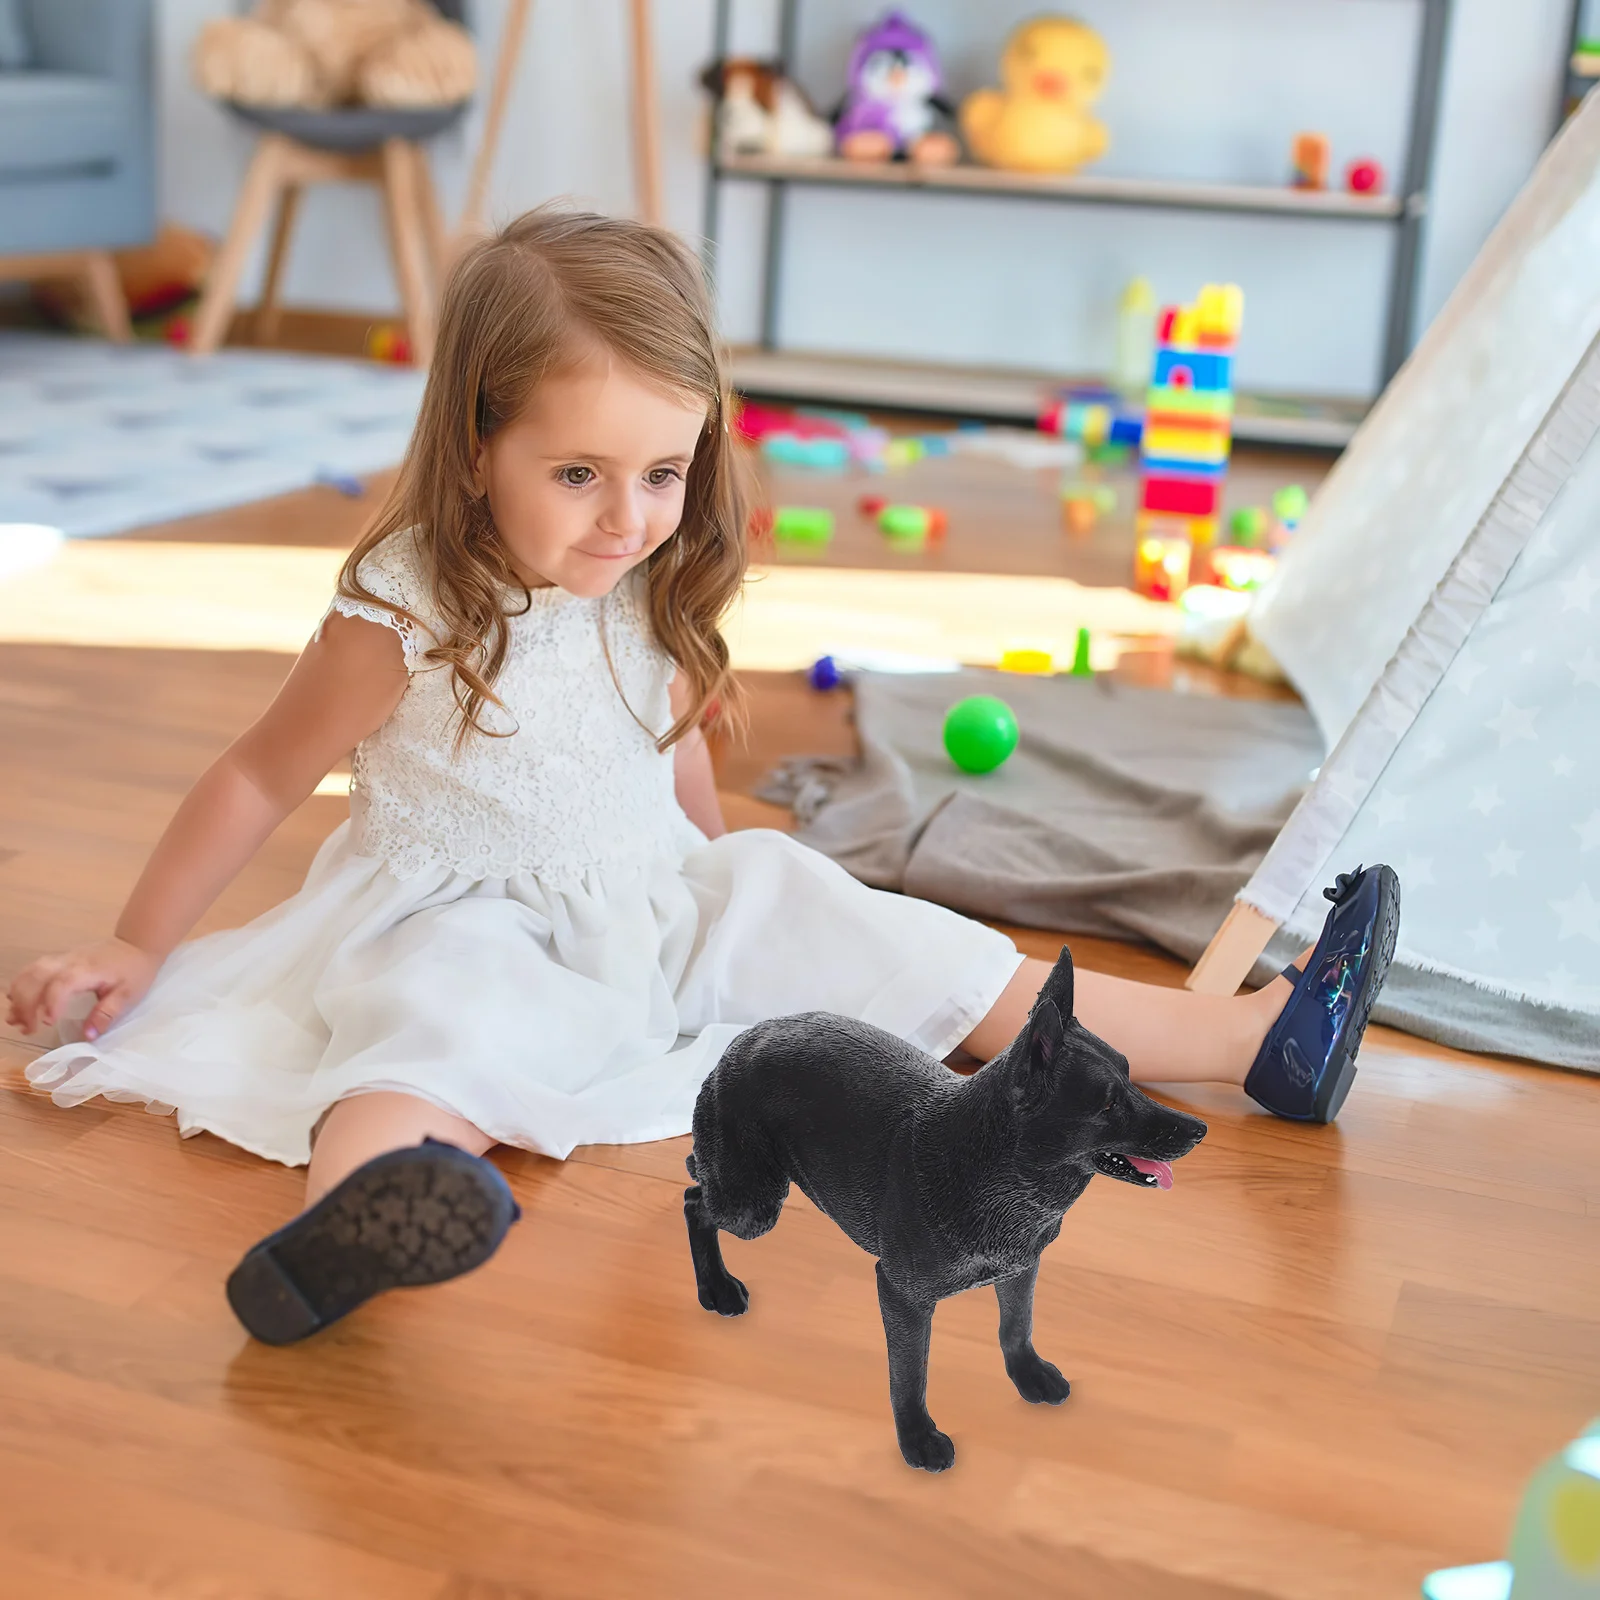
point(1053, 69)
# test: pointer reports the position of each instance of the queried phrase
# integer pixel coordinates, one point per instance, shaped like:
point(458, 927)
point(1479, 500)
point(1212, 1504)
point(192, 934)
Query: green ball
point(980, 732)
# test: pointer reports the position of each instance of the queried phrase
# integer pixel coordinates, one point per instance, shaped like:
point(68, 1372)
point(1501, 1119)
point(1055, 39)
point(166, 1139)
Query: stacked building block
point(1188, 432)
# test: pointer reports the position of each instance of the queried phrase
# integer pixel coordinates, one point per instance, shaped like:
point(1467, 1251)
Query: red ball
point(1364, 177)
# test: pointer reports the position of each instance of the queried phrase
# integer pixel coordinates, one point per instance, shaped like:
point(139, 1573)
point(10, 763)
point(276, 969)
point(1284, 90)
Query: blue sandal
point(1306, 1064)
point(405, 1218)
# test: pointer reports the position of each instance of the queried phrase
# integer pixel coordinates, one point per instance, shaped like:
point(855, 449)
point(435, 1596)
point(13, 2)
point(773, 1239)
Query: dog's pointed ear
point(1058, 987)
point(1042, 1046)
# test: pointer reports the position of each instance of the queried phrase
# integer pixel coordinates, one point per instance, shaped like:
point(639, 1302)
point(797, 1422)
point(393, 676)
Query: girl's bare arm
point(344, 686)
point(692, 777)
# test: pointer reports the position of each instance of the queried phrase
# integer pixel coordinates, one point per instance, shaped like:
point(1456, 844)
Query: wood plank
point(1325, 1361)
point(965, 178)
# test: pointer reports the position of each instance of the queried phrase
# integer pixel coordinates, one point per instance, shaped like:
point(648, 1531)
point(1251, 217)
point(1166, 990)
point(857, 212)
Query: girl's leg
point(366, 1125)
point(1168, 1035)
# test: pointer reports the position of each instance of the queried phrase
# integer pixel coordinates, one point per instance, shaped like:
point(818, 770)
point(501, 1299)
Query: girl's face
point(589, 480)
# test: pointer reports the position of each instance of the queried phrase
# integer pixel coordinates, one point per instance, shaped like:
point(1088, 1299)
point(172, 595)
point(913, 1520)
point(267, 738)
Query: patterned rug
point(99, 438)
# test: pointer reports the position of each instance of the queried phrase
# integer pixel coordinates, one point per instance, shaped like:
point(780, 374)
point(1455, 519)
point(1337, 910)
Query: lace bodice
point(578, 783)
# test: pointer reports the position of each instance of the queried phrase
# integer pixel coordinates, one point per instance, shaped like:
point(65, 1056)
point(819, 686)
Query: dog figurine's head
point(1077, 1107)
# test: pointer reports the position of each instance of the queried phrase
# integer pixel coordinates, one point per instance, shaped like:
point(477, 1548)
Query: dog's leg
point(719, 1290)
point(909, 1326)
point(1036, 1379)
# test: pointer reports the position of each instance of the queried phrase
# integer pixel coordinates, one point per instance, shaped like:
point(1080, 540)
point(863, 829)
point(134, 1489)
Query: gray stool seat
point(351, 129)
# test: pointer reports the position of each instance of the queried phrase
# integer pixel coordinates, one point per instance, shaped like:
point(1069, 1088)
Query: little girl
point(534, 929)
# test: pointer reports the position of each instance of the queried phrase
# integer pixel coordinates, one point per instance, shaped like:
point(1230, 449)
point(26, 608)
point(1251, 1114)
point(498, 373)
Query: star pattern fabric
point(1403, 500)
point(1489, 808)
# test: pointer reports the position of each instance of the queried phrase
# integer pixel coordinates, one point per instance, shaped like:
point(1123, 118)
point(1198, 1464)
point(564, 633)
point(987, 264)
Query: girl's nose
point(623, 517)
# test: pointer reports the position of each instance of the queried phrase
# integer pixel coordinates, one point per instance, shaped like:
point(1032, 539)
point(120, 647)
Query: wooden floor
point(1321, 1365)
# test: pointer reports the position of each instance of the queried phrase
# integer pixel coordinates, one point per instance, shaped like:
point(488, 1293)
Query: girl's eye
point(660, 477)
point(576, 477)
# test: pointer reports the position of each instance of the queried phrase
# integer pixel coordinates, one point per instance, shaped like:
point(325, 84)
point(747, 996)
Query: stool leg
point(434, 231)
point(261, 185)
point(407, 241)
point(269, 313)
point(104, 290)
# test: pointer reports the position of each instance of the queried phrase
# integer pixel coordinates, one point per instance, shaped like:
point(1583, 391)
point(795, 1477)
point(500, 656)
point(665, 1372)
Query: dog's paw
point(1038, 1381)
point(928, 1449)
point(725, 1295)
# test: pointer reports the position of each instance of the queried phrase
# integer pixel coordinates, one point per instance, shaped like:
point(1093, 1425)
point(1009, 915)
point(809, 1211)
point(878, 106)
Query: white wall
point(1200, 88)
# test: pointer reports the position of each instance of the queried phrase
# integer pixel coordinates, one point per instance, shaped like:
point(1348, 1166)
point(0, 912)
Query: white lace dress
point(531, 934)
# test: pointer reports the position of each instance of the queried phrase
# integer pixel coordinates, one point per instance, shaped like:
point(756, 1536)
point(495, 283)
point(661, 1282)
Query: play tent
point(1439, 612)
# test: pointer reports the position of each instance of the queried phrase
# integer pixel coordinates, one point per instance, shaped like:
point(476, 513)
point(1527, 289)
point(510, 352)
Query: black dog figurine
point(950, 1182)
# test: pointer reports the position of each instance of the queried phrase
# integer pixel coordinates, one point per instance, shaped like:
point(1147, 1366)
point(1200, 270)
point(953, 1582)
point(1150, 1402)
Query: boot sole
point(405, 1219)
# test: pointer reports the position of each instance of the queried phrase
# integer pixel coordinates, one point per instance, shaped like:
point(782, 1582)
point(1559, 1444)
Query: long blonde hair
point(513, 309)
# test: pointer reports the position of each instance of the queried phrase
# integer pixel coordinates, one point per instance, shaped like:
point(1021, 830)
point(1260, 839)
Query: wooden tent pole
point(646, 138)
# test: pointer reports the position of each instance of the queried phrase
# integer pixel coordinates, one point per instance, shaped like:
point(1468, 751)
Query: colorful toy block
point(1188, 436)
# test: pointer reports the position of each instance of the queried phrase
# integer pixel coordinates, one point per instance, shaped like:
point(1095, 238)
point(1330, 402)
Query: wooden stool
point(98, 274)
point(280, 169)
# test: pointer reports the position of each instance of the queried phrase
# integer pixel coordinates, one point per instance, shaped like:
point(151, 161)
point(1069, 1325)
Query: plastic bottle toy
point(980, 733)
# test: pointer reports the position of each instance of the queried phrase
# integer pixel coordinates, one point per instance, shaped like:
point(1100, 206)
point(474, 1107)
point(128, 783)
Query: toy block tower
point(1188, 433)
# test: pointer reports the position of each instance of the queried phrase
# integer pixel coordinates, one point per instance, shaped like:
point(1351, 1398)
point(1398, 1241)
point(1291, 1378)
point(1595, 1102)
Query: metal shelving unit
point(1404, 211)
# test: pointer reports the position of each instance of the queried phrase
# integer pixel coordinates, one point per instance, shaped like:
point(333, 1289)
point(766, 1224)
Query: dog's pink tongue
point(1159, 1170)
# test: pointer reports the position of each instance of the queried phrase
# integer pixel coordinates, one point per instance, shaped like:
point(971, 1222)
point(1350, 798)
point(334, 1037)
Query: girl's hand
point(115, 972)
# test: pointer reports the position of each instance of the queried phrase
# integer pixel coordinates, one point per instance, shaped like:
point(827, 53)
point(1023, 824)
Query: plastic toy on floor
point(1052, 70)
point(893, 106)
point(803, 525)
point(1555, 1545)
point(980, 733)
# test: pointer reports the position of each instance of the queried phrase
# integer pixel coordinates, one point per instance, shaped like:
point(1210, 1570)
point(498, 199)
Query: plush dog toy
point(762, 113)
point(893, 106)
point(950, 1182)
